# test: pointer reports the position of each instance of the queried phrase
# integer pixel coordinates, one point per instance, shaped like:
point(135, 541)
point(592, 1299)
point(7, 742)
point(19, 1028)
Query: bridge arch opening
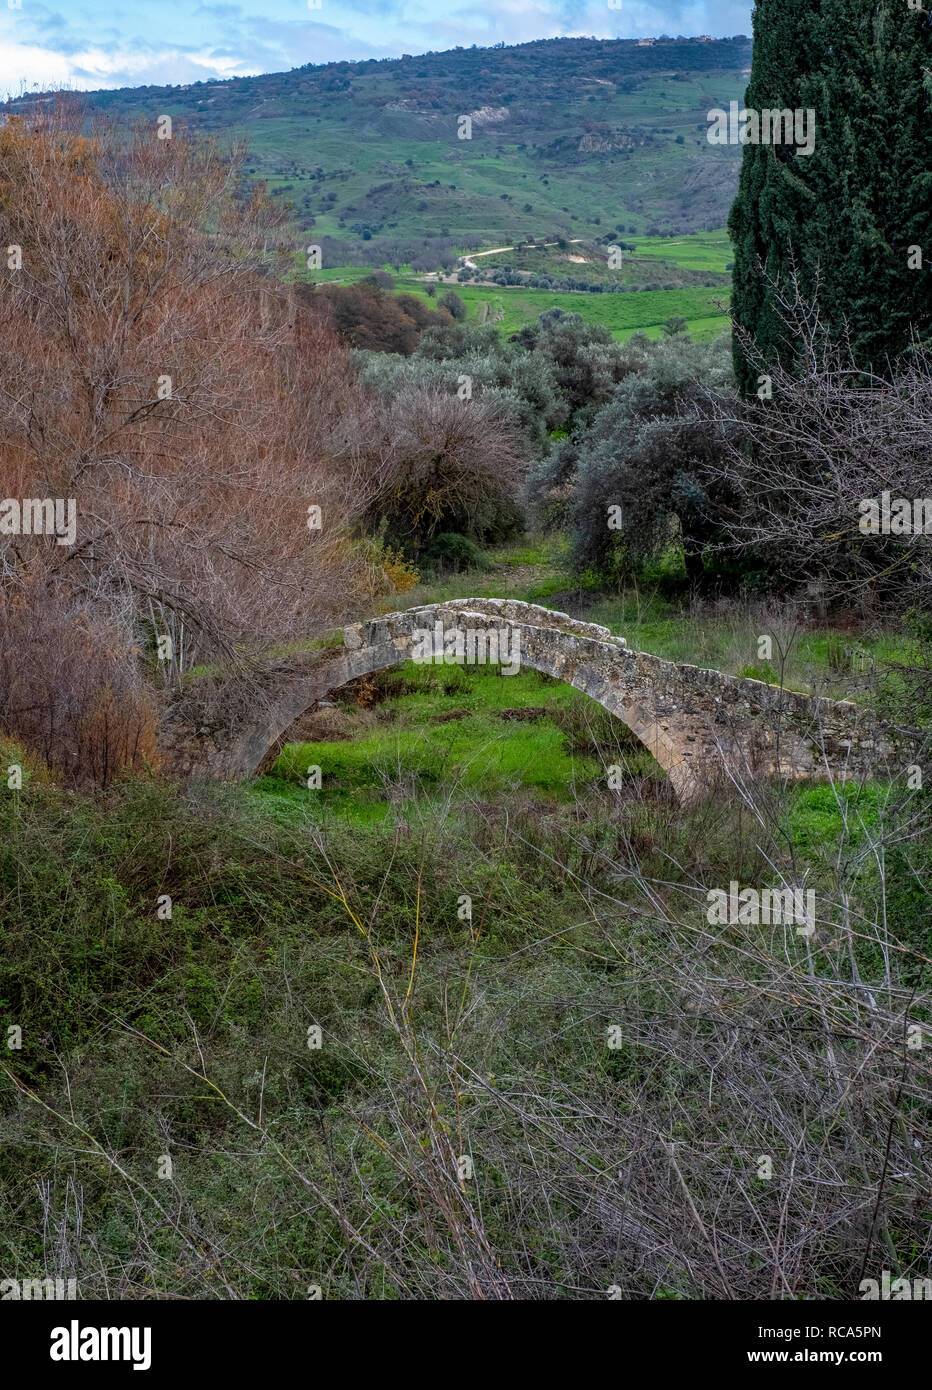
point(553, 645)
point(412, 729)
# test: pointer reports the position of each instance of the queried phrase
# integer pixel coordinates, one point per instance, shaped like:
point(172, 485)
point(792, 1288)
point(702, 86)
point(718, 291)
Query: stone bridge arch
point(701, 726)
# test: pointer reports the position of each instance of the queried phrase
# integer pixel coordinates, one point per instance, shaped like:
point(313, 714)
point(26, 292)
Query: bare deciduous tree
point(822, 439)
point(152, 370)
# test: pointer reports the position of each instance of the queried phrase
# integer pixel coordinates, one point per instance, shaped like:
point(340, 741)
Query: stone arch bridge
point(700, 726)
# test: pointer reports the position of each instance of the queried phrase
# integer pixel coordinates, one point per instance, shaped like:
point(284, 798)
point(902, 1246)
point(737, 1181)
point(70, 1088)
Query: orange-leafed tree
point(154, 369)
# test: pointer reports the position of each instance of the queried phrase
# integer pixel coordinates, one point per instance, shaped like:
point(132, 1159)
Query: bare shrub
point(445, 463)
point(822, 437)
point(151, 370)
point(72, 687)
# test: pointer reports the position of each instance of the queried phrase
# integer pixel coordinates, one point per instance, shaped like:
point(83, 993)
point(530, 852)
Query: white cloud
point(31, 66)
point(28, 64)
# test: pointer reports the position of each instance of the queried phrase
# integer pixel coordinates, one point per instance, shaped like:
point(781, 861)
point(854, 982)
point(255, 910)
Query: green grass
point(710, 251)
point(818, 814)
point(642, 311)
point(531, 554)
point(441, 730)
point(638, 272)
point(522, 570)
point(622, 314)
point(537, 570)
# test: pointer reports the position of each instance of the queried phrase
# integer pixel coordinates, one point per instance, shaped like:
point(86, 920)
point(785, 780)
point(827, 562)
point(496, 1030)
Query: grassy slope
point(491, 188)
point(622, 314)
point(710, 251)
point(376, 143)
point(350, 130)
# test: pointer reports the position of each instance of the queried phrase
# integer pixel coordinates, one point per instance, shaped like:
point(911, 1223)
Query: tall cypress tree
point(847, 215)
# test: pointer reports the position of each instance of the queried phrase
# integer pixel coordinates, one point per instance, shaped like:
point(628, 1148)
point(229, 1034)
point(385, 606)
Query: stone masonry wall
point(700, 725)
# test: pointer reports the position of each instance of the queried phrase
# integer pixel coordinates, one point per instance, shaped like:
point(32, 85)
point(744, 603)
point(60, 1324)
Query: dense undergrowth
point(469, 1126)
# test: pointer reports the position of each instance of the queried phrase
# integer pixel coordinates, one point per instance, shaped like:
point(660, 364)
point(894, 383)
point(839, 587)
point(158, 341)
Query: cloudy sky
point(118, 43)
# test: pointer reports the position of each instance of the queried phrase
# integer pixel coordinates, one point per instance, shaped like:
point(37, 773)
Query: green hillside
point(576, 144)
point(579, 137)
point(622, 314)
